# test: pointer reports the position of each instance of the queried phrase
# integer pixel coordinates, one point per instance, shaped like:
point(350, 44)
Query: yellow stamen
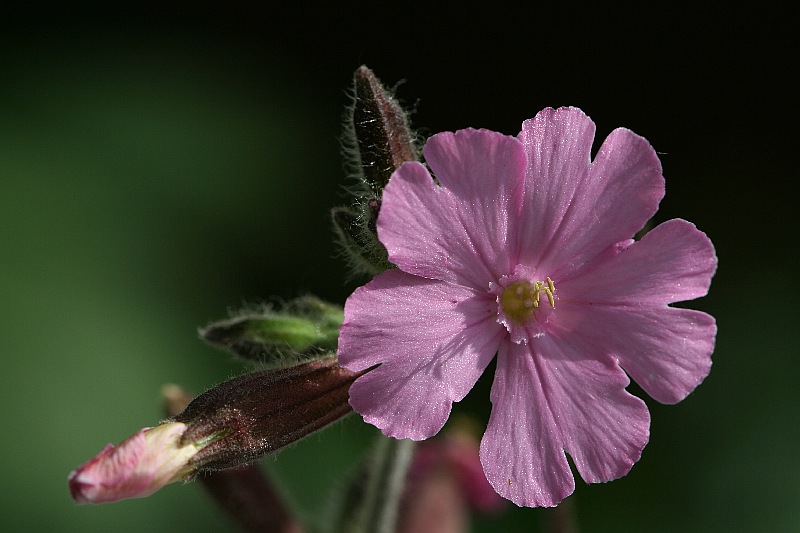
point(550, 297)
point(520, 299)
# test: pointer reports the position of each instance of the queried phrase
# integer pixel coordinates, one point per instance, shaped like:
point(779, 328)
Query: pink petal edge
point(550, 400)
point(581, 207)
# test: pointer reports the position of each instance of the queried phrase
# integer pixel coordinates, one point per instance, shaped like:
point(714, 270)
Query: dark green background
point(160, 165)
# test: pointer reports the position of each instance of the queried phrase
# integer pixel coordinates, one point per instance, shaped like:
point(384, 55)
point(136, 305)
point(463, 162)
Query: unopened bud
point(305, 328)
point(377, 140)
point(249, 416)
point(234, 423)
point(446, 480)
point(380, 127)
point(245, 493)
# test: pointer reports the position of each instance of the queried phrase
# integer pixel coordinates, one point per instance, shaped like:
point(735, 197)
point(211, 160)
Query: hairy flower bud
point(451, 461)
point(304, 328)
point(231, 424)
point(246, 494)
point(376, 141)
point(252, 415)
point(380, 128)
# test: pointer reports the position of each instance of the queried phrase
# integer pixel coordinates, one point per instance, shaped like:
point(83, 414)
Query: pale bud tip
point(138, 467)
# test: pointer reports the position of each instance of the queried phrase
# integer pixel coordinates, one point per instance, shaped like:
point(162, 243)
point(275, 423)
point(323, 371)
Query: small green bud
point(306, 328)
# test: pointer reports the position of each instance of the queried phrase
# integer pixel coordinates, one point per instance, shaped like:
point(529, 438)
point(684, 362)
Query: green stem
point(372, 503)
point(395, 458)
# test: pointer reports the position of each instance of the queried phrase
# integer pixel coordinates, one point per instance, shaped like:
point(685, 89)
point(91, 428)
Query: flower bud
point(376, 141)
point(231, 424)
point(446, 480)
point(379, 127)
point(306, 327)
point(246, 493)
point(455, 454)
point(138, 467)
point(249, 416)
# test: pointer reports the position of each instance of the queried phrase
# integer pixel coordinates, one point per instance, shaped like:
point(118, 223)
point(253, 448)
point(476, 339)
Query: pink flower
point(444, 481)
point(138, 467)
point(524, 249)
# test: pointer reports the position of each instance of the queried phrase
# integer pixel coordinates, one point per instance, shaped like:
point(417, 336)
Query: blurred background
point(162, 165)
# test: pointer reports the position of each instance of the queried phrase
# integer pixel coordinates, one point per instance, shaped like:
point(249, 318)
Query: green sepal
point(359, 242)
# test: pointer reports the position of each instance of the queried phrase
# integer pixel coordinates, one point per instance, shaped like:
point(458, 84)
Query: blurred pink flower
point(446, 480)
point(138, 467)
point(524, 248)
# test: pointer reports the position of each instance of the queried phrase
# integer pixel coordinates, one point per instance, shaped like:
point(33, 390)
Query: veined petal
point(552, 397)
point(461, 231)
point(577, 208)
point(521, 450)
point(486, 171)
point(558, 146)
point(666, 350)
point(432, 340)
point(602, 426)
point(673, 262)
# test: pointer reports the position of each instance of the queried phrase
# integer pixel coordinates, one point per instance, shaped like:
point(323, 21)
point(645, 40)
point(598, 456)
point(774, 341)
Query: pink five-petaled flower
point(524, 249)
point(138, 467)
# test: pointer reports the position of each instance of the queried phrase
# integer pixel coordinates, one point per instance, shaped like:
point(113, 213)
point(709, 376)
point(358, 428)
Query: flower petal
point(550, 397)
point(432, 340)
point(577, 209)
point(109, 476)
point(458, 232)
point(666, 350)
point(603, 427)
point(486, 170)
point(521, 450)
point(672, 263)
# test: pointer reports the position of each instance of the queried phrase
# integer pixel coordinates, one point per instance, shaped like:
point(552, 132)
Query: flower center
point(521, 299)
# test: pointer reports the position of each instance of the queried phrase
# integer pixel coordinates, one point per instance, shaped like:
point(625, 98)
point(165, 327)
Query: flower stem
point(395, 457)
point(371, 505)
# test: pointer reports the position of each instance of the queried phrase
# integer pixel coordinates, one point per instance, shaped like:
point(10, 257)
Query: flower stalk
point(373, 500)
